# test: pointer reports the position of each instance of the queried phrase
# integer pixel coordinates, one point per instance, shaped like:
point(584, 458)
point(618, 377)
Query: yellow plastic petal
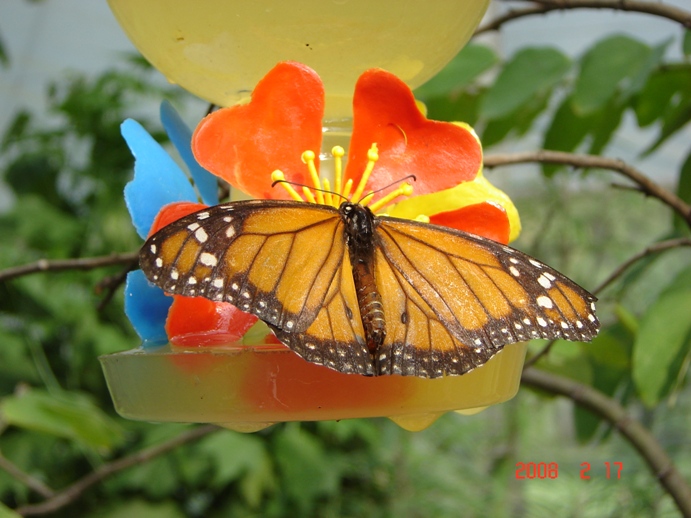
point(479, 190)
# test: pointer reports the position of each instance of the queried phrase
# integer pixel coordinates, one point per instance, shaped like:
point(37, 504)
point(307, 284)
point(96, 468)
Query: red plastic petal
point(440, 154)
point(174, 212)
point(482, 219)
point(196, 321)
point(245, 144)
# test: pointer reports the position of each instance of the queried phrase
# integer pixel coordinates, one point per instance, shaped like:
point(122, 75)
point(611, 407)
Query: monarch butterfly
point(368, 294)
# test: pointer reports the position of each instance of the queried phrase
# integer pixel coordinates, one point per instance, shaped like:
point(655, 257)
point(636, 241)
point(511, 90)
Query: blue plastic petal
point(147, 308)
point(181, 137)
point(158, 180)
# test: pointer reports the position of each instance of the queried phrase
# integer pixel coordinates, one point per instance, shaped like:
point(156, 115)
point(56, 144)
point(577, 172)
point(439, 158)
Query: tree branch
point(73, 492)
point(660, 464)
point(653, 249)
point(647, 185)
point(29, 481)
point(669, 12)
point(86, 263)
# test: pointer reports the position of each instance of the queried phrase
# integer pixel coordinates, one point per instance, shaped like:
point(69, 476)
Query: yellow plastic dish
point(220, 49)
point(248, 388)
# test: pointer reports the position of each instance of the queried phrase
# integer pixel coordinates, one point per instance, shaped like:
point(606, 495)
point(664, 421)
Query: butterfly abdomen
point(359, 230)
point(370, 304)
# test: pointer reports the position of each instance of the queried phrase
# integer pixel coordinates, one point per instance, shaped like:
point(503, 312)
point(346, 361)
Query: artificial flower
point(281, 129)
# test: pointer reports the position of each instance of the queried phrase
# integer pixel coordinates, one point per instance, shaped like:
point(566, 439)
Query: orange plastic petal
point(245, 144)
point(196, 321)
point(440, 154)
point(483, 219)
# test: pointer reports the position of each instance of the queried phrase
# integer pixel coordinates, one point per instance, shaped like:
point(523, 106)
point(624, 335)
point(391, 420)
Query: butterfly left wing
point(273, 258)
point(452, 300)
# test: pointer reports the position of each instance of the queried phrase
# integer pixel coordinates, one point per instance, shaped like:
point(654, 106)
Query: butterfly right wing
point(275, 259)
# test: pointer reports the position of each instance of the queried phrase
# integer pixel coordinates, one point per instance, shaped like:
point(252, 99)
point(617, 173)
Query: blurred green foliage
point(66, 175)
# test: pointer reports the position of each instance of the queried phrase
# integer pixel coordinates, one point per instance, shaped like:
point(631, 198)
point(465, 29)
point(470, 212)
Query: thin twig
point(647, 185)
point(669, 12)
point(112, 283)
point(86, 263)
point(29, 481)
point(543, 352)
point(660, 464)
point(653, 249)
point(73, 492)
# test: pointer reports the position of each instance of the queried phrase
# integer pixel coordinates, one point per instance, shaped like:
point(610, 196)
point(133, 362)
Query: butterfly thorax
point(359, 231)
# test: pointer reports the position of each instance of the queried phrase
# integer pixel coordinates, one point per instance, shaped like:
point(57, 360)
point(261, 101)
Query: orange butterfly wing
point(452, 300)
point(275, 259)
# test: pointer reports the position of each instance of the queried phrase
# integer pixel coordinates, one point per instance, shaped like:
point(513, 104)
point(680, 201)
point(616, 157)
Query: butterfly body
point(360, 240)
point(366, 294)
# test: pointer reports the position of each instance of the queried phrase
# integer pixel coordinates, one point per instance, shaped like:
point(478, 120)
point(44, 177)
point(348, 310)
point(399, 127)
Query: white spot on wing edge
point(208, 259)
point(201, 235)
point(544, 282)
point(545, 302)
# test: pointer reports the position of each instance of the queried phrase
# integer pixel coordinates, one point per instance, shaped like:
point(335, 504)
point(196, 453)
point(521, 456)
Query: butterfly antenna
point(404, 190)
point(308, 188)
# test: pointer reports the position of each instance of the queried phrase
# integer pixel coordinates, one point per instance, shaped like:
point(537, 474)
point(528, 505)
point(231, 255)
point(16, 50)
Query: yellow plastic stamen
point(308, 195)
point(308, 158)
point(338, 152)
point(372, 157)
point(366, 199)
point(404, 190)
point(346, 189)
point(278, 176)
point(328, 196)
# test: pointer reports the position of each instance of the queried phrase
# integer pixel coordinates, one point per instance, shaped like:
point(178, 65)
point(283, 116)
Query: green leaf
point(69, 415)
point(606, 123)
point(460, 107)
point(663, 340)
point(566, 131)
point(686, 44)
point(606, 68)
point(569, 129)
point(566, 359)
point(675, 119)
point(684, 192)
point(241, 457)
point(4, 58)
point(309, 472)
point(655, 100)
point(532, 72)
point(6, 512)
point(469, 63)
point(16, 363)
point(518, 123)
point(141, 509)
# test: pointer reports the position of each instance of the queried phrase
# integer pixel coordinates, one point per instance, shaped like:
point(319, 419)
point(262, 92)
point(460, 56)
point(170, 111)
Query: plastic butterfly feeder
point(358, 292)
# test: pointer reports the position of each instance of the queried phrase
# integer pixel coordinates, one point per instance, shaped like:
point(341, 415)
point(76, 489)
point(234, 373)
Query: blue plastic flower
point(158, 181)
